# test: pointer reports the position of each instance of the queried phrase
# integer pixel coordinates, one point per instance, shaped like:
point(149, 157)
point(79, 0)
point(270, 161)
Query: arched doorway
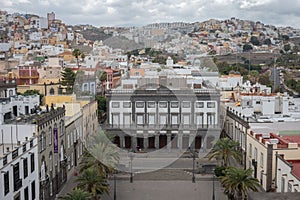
point(151, 142)
point(198, 142)
point(117, 140)
point(127, 142)
point(162, 141)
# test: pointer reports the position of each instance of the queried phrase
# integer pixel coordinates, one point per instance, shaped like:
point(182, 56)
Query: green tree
point(287, 47)
point(268, 41)
point(102, 154)
point(76, 53)
point(238, 182)
point(82, 56)
point(225, 149)
point(264, 79)
point(68, 79)
point(254, 40)
point(93, 182)
point(77, 194)
point(247, 47)
point(254, 75)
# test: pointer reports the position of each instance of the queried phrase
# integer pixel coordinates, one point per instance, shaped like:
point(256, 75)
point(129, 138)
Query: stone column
point(179, 141)
point(192, 141)
point(169, 142)
point(146, 141)
point(133, 142)
point(157, 141)
point(122, 141)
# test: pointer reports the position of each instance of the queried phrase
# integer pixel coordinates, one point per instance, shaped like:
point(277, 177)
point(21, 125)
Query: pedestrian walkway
point(68, 186)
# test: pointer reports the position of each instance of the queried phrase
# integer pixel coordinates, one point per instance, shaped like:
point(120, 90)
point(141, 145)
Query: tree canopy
point(68, 79)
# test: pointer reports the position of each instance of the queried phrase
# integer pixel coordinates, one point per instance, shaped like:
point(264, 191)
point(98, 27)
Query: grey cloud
point(134, 12)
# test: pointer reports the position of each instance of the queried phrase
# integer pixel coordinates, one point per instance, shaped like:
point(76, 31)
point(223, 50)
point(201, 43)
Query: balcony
point(29, 77)
point(161, 127)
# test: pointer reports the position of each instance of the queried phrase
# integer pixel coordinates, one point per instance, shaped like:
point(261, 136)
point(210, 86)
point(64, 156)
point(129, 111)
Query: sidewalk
point(68, 186)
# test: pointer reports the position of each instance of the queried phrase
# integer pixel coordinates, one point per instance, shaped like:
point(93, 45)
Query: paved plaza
point(174, 184)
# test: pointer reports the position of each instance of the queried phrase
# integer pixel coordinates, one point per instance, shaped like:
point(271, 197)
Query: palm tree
point(239, 181)
point(93, 182)
point(101, 153)
point(225, 149)
point(76, 53)
point(77, 194)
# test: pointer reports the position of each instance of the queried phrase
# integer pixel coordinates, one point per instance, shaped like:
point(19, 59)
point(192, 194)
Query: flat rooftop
point(281, 128)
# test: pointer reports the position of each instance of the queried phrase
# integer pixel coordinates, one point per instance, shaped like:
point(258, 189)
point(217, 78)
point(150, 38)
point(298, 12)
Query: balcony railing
point(161, 126)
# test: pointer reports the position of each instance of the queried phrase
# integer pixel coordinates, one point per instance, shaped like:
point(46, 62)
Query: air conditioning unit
point(274, 141)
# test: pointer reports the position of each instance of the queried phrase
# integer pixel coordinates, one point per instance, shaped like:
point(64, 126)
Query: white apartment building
point(19, 171)
point(18, 105)
point(155, 117)
point(288, 174)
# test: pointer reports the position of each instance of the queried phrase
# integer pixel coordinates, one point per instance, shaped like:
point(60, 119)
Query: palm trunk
point(239, 195)
point(77, 62)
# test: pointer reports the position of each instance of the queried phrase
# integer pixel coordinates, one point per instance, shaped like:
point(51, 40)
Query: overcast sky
point(142, 12)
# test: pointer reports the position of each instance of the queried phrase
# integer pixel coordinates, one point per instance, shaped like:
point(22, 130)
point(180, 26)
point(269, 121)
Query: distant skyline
point(139, 13)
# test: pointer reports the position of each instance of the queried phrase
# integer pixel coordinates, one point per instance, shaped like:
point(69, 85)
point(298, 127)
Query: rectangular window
point(163, 104)
point(16, 175)
point(33, 190)
point(290, 187)
point(6, 183)
point(174, 104)
point(126, 104)
point(282, 184)
point(115, 119)
point(151, 119)
point(261, 160)
point(32, 162)
point(199, 119)
point(186, 119)
point(199, 104)
point(115, 104)
point(257, 102)
point(69, 141)
point(186, 104)
point(211, 105)
point(174, 119)
point(25, 167)
point(140, 119)
point(127, 119)
point(210, 118)
point(26, 196)
point(151, 104)
point(163, 119)
point(140, 104)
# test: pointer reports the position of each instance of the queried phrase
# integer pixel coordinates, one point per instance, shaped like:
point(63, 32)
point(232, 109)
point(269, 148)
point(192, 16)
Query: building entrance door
point(162, 141)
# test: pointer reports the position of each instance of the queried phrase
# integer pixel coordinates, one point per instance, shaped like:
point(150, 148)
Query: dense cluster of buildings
point(176, 106)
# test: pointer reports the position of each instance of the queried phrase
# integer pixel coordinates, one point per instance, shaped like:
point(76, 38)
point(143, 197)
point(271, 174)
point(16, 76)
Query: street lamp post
point(193, 178)
point(213, 195)
point(131, 156)
point(115, 187)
